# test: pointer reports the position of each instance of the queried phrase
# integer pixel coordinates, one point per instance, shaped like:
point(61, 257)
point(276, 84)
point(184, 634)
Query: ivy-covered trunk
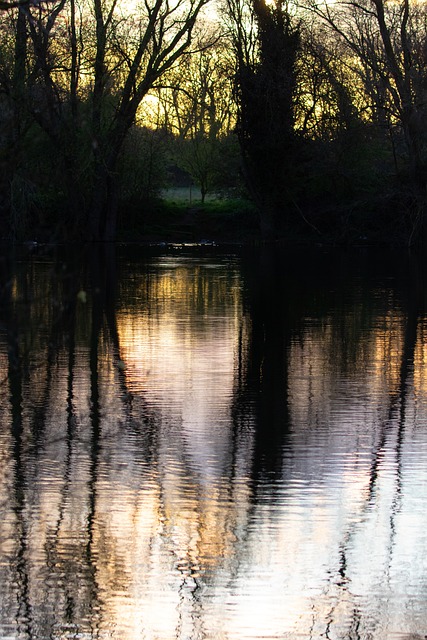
point(265, 92)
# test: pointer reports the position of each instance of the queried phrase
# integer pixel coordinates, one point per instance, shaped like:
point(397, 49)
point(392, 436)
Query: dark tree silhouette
point(265, 89)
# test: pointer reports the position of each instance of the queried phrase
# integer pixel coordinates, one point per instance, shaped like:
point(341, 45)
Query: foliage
point(384, 44)
point(197, 106)
point(265, 89)
point(79, 71)
point(142, 166)
point(320, 110)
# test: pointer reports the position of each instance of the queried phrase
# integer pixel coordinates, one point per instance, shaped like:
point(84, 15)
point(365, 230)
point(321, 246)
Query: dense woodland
point(309, 118)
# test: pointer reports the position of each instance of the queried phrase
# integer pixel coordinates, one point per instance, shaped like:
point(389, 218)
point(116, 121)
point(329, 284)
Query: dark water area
point(213, 445)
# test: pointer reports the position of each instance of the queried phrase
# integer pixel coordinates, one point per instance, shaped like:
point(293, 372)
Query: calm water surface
point(201, 445)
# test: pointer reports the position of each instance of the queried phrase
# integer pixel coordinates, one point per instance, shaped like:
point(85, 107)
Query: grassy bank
point(181, 217)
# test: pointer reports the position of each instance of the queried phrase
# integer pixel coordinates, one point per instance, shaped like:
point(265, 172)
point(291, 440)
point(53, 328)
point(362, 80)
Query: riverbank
point(217, 220)
point(235, 221)
point(183, 218)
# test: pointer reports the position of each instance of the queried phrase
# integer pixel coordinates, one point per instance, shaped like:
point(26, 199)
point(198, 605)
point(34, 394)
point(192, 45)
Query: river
point(203, 443)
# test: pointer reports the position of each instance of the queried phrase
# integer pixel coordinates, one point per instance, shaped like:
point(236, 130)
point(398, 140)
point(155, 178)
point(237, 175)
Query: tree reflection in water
point(211, 445)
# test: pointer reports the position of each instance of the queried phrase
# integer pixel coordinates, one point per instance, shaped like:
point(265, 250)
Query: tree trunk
point(103, 213)
point(265, 125)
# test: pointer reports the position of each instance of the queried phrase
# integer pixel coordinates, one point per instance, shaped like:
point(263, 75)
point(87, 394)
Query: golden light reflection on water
point(178, 342)
point(420, 364)
point(137, 504)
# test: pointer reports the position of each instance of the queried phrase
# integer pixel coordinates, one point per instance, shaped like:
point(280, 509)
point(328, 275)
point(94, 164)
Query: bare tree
point(388, 41)
point(88, 68)
point(196, 101)
point(331, 96)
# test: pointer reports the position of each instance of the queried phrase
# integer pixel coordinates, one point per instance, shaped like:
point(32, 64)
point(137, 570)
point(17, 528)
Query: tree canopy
point(326, 102)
